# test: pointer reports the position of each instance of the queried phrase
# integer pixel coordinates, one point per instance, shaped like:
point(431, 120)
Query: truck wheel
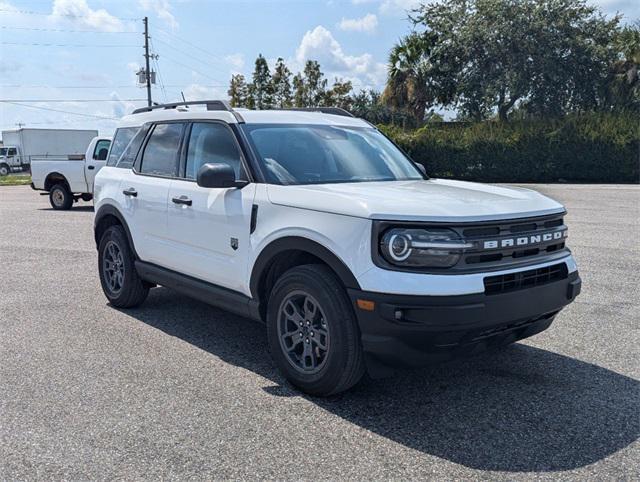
point(60, 197)
point(4, 170)
point(312, 330)
point(118, 276)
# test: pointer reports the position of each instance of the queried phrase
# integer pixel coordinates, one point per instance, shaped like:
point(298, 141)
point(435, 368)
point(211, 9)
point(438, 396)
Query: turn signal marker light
point(366, 305)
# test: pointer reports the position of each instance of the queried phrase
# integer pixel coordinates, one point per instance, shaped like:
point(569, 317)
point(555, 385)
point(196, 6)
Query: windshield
point(318, 154)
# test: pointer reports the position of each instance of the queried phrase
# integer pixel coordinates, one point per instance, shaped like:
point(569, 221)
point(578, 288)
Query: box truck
point(23, 146)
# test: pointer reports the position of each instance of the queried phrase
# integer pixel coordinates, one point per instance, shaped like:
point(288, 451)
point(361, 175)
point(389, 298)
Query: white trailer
point(24, 146)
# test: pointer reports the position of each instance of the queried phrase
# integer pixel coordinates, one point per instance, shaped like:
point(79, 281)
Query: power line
point(71, 100)
point(155, 60)
point(215, 56)
point(42, 86)
point(191, 68)
point(59, 110)
point(72, 15)
point(6, 27)
point(197, 59)
point(67, 45)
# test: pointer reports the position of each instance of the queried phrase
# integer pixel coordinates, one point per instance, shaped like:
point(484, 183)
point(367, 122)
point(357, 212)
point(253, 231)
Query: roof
point(250, 117)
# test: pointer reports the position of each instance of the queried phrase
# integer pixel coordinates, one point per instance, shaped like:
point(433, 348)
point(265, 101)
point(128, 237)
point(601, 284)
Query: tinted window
point(160, 155)
point(102, 147)
point(120, 141)
point(12, 151)
point(128, 157)
point(213, 143)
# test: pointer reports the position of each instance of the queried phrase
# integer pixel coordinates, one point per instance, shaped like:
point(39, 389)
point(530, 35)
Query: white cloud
point(80, 13)
point(368, 23)
point(162, 8)
point(236, 61)
point(319, 44)
point(360, 2)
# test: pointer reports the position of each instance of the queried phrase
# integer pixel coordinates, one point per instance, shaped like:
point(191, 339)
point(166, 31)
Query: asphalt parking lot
point(177, 389)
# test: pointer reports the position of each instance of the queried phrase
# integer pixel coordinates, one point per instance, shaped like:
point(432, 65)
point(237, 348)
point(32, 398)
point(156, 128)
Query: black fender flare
point(298, 243)
point(109, 210)
point(56, 174)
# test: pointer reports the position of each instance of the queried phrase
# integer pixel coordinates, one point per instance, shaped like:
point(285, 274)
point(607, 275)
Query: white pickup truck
point(71, 178)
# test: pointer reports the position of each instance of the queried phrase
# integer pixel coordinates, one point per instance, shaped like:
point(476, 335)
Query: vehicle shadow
point(520, 409)
point(88, 208)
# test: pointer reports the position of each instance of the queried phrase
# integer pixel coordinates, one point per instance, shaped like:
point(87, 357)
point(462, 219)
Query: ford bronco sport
point(315, 223)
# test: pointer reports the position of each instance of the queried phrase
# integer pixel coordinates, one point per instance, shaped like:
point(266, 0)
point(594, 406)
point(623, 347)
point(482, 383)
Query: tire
point(60, 197)
point(4, 170)
point(319, 358)
point(118, 276)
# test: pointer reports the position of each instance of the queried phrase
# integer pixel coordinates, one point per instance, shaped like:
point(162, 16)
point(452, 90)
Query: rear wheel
point(118, 276)
point(313, 334)
point(60, 197)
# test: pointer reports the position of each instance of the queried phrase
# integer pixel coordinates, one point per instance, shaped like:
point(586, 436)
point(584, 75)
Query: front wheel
point(118, 276)
point(60, 197)
point(4, 170)
point(313, 334)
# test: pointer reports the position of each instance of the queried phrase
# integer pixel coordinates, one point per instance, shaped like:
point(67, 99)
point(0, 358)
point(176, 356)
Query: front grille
point(505, 283)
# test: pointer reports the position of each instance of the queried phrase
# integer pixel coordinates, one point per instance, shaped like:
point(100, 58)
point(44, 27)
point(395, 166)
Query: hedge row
point(596, 147)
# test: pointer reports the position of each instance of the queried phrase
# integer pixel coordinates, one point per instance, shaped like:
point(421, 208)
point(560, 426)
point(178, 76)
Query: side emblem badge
point(234, 243)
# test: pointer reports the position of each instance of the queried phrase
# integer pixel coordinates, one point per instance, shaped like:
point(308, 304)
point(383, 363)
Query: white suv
point(317, 224)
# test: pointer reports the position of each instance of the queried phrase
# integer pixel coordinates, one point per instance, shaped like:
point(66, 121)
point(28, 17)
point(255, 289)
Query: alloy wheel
point(303, 332)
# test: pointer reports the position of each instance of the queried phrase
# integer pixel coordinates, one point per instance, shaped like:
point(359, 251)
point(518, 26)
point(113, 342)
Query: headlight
point(422, 248)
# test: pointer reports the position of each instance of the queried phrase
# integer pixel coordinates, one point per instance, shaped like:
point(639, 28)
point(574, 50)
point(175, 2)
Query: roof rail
point(324, 110)
point(211, 105)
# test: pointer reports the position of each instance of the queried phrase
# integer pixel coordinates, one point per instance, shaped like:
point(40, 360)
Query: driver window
point(211, 143)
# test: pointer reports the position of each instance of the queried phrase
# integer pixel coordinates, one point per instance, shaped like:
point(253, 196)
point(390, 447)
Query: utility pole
point(146, 59)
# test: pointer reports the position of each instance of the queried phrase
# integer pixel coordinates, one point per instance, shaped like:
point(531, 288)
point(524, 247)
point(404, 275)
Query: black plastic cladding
point(477, 261)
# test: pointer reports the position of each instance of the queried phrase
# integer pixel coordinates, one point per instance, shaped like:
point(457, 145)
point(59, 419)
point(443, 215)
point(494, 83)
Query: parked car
point(67, 180)
point(24, 144)
point(318, 225)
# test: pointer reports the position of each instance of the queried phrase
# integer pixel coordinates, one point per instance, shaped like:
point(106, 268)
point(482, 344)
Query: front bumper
point(408, 330)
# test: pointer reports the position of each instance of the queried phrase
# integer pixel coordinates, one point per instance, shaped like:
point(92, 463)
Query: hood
point(425, 200)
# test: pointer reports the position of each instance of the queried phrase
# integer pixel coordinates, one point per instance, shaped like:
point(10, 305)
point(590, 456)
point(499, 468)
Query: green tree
point(623, 82)
point(488, 56)
point(338, 95)
point(409, 82)
point(281, 85)
point(299, 91)
point(261, 89)
point(315, 85)
point(238, 91)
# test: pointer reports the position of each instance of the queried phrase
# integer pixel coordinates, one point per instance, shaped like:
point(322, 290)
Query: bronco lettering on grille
point(525, 240)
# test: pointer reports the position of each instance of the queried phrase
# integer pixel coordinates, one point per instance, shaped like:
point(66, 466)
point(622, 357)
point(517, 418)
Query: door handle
point(130, 192)
point(91, 168)
point(182, 200)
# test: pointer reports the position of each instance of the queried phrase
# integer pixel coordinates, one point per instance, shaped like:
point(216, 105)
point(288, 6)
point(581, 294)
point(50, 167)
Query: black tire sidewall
point(117, 235)
point(8, 169)
point(339, 317)
point(68, 198)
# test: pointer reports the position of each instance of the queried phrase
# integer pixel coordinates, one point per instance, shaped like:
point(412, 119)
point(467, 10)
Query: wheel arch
point(106, 217)
point(54, 178)
point(287, 252)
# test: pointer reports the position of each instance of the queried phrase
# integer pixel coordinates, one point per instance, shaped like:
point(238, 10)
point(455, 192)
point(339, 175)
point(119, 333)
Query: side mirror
point(218, 176)
point(421, 168)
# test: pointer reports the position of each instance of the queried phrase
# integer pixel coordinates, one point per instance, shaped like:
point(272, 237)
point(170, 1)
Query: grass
point(15, 180)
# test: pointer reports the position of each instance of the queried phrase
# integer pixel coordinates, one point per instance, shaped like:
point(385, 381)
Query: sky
point(72, 63)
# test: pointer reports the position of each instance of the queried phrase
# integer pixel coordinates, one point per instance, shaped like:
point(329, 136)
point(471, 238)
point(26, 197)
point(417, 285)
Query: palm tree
point(408, 76)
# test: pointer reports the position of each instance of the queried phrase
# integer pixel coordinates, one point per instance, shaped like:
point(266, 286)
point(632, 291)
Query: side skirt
point(209, 293)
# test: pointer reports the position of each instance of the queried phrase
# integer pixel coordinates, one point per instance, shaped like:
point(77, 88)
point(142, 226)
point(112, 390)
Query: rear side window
point(160, 157)
point(214, 143)
point(120, 141)
point(129, 155)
